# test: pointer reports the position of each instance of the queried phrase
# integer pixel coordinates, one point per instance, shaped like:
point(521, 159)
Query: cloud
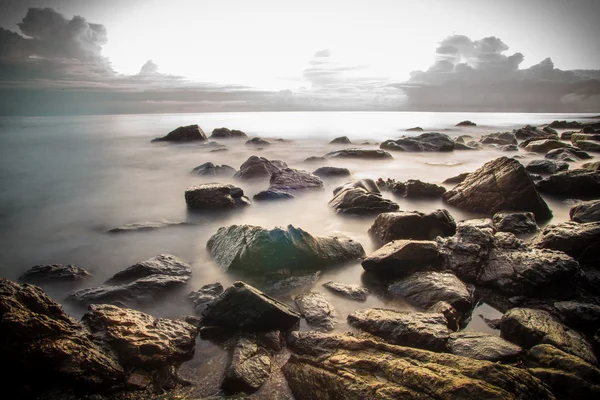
point(479, 75)
point(322, 53)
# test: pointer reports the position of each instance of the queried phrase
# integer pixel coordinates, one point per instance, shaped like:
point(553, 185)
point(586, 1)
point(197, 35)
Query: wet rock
point(210, 169)
point(546, 166)
point(267, 195)
point(46, 349)
point(457, 179)
point(527, 328)
point(317, 310)
point(315, 159)
point(406, 328)
point(148, 226)
point(280, 284)
point(324, 365)
point(257, 142)
point(48, 273)
point(430, 141)
point(244, 307)
point(391, 185)
point(294, 180)
point(360, 198)
point(556, 124)
point(326, 172)
point(577, 137)
point(593, 166)
point(254, 248)
point(249, 368)
point(482, 346)
point(215, 196)
point(258, 167)
point(403, 257)
point(184, 134)
point(588, 211)
point(580, 241)
point(589, 145)
point(566, 135)
point(352, 292)
point(202, 297)
point(545, 145)
point(582, 316)
point(341, 140)
point(567, 154)
point(515, 222)
point(412, 225)
point(417, 189)
point(463, 139)
point(425, 289)
point(139, 284)
point(453, 317)
point(360, 154)
point(501, 184)
point(529, 132)
point(466, 123)
point(581, 183)
point(225, 133)
point(499, 138)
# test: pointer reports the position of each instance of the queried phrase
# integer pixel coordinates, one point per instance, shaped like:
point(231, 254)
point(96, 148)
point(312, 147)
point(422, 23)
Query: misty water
point(66, 180)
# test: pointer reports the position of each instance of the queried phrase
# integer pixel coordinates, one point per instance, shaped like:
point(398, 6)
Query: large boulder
point(326, 366)
point(184, 134)
point(545, 145)
point(482, 346)
point(50, 273)
point(430, 141)
point(364, 154)
point(258, 168)
point(341, 140)
point(515, 222)
point(412, 225)
point(44, 348)
point(226, 133)
point(580, 183)
point(499, 138)
point(317, 310)
point(215, 196)
point(249, 368)
point(568, 154)
point(577, 137)
point(331, 172)
point(139, 284)
point(546, 166)
point(587, 211)
point(294, 180)
point(244, 307)
point(414, 188)
point(257, 141)
point(580, 241)
point(361, 198)
point(254, 248)
point(501, 184)
point(529, 132)
point(527, 328)
point(403, 257)
point(210, 169)
point(589, 145)
point(349, 291)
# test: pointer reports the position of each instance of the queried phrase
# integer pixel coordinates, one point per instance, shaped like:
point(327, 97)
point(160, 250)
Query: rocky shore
point(544, 279)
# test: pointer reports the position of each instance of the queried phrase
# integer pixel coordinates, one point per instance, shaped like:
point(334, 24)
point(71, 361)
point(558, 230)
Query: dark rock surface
point(269, 194)
point(556, 124)
point(257, 141)
point(403, 257)
point(210, 169)
point(349, 291)
point(457, 179)
point(361, 198)
point(215, 196)
point(545, 145)
point(501, 184)
point(589, 145)
point(587, 211)
point(593, 166)
point(430, 141)
point(258, 167)
point(499, 138)
point(326, 172)
point(567, 154)
point(281, 284)
point(48, 273)
point(202, 297)
point(315, 159)
point(317, 310)
point(184, 134)
point(341, 140)
point(466, 123)
point(515, 222)
point(528, 132)
point(294, 180)
point(253, 248)
point(546, 166)
point(148, 226)
point(417, 189)
point(360, 154)
point(249, 368)
point(415, 129)
point(582, 316)
point(482, 346)
point(580, 241)
point(226, 133)
point(412, 225)
point(576, 137)
point(581, 183)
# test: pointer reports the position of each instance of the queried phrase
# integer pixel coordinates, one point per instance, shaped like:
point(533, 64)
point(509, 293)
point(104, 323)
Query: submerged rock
point(352, 292)
point(253, 248)
point(361, 198)
point(515, 222)
point(529, 132)
point(317, 310)
point(202, 297)
point(581, 183)
point(482, 346)
point(360, 154)
point(54, 273)
point(341, 140)
point(417, 189)
point(148, 226)
point(282, 284)
point(544, 145)
point(210, 169)
point(184, 134)
point(315, 159)
point(256, 141)
point(588, 211)
point(546, 166)
point(499, 138)
point(244, 307)
point(294, 180)
point(412, 225)
point(225, 133)
point(589, 145)
point(501, 184)
point(249, 368)
point(466, 123)
point(567, 154)
point(258, 167)
point(326, 172)
point(267, 195)
point(403, 257)
point(457, 179)
point(215, 196)
point(580, 241)
point(430, 141)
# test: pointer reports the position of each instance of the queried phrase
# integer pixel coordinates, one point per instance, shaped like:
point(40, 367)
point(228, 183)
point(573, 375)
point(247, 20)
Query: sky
point(134, 56)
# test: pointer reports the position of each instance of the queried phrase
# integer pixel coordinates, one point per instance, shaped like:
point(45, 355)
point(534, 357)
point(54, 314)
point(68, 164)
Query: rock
point(549, 129)
point(482, 346)
point(462, 146)
point(501, 184)
point(587, 211)
point(515, 222)
point(140, 340)
point(360, 154)
point(499, 138)
point(406, 328)
point(403, 257)
point(317, 310)
point(258, 167)
point(452, 316)
point(412, 225)
point(510, 147)
point(457, 179)
point(267, 195)
point(415, 129)
point(341, 140)
point(54, 273)
point(579, 183)
point(528, 327)
point(546, 166)
point(588, 145)
point(148, 226)
point(564, 124)
point(582, 316)
point(544, 146)
point(417, 189)
point(431, 141)
point(244, 307)
point(463, 139)
point(225, 133)
point(46, 349)
point(210, 169)
point(221, 149)
point(249, 368)
point(528, 132)
point(139, 284)
point(466, 123)
point(327, 366)
point(566, 135)
point(253, 248)
point(294, 180)
point(184, 134)
point(590, 129)
point(325, 172)
point(315, 159)
point(215, 196)
point(282, 284)
point(352, 292)
point(202, 297)
point(361, 198)
point(568, 154)
point(593, 166)
point(391, 185)
point(425, 289)
point(577, 137)
point(539, 139)
point(580, 241)
point(257, 142)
